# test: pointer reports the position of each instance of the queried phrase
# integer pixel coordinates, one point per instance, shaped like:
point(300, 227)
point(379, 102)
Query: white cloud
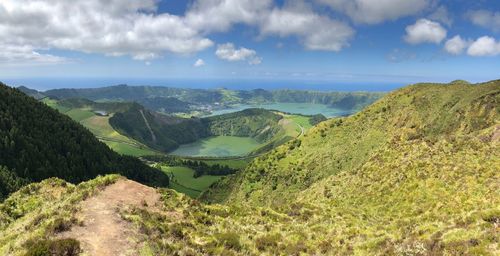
point(484, 46)
point(136, 29)
point(456, 45)
point(228, 52)
point(425, 31)
point(26, 55)
point(116, 27)
point(199, 63)
point(374, 12)
point(442, 15)
point(317, 32)
point(485, 18)
point(220, 15)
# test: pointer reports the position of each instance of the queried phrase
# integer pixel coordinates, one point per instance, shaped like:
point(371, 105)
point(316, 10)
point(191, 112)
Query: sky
point(322, 42)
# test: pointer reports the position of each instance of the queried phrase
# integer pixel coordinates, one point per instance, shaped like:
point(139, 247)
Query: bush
point(269, 240)
point(60, 225)
point(176, 230)
point(61, 247)
point(230, 240)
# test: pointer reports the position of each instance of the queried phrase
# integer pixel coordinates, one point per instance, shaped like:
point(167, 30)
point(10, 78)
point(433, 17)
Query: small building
point(101, 113)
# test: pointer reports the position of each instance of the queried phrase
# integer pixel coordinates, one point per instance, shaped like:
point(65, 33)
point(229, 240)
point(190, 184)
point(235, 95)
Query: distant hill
point(416, 173)
point(37, 142)
point(31, 92)
point(151, 96)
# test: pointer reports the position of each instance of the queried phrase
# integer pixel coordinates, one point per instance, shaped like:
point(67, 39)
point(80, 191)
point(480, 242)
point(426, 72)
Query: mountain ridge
point(38, 143)
point(416, 173)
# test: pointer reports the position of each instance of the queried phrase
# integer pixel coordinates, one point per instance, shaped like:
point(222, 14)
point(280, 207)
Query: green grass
point(100, 127)
point(301, 120)
point(79, 115)
point(126, 149)
point(54, 104)
point(218, 146)
point(30, 214)
point(414, 174)
point(183, 181)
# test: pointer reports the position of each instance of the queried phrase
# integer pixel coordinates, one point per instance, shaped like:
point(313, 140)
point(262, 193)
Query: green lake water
point(218, 146)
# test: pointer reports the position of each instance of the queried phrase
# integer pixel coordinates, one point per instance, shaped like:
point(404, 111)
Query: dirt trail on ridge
point(103, 231)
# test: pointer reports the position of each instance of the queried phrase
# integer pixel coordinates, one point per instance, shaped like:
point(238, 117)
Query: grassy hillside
point(414, 174)
point(425, 113)
point(37, 142)
point(167, 132)
point(43, 209)
point(86, 113)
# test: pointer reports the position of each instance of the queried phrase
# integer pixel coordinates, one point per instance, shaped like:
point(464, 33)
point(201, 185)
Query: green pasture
point(183, 181)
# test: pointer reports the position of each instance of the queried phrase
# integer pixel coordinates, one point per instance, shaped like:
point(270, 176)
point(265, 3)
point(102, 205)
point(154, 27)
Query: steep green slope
point(157, 131)
point(37, 142)
point(414, 174)
point(167, 132)
point(95, 117)
point(31, 92)
point(256, 123)
point(422, 112)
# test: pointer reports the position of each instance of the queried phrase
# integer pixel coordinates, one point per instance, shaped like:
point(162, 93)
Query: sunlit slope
point(37, 142)
point(422, 113)
point(84, 112)
point(414, 174)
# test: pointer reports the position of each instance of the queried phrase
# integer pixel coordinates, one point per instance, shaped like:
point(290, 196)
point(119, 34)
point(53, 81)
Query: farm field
point(79, 115)
point(100, 127)
point(182, 180)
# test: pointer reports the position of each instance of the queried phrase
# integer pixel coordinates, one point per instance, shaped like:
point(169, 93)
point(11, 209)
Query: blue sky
point(332, 41)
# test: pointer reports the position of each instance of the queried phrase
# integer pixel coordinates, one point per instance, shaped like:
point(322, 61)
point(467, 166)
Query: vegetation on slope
point(137, 93)
point(151, 96)
point(31, 217)
point(37, 142)
point(167, 132)
point(414, 174)
point(95, 117)
point(422, 112)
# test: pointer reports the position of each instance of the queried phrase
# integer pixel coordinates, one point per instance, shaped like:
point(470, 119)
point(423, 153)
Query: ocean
point(43, 84)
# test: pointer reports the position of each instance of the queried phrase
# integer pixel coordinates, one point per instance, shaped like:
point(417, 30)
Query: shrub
point(268, 240)
point(230, 240)
point(294, 248)
point(176, 230)
point(60, 225)
point(61, 247)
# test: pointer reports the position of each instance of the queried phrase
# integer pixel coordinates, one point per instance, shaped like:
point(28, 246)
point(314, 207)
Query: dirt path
point(153, 136)
point(103, 231)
